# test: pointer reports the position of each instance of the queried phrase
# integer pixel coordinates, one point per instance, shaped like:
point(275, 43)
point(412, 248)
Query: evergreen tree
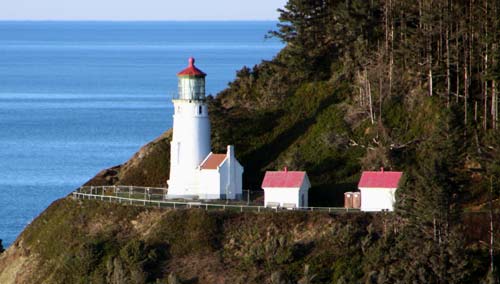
point(429, 202)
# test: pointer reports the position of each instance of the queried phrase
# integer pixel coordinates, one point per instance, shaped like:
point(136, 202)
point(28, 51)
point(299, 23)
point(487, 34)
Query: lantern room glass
point(191, 88)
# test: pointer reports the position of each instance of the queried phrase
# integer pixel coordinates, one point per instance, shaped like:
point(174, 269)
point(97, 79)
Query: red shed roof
point(283, 179)
point(191, 70)
point(380, 179)
point(213, 161)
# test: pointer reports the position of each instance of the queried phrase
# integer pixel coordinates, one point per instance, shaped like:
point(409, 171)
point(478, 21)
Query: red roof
point(283, 179)
point(191, 70)
point(380, 179)
point(213, 161)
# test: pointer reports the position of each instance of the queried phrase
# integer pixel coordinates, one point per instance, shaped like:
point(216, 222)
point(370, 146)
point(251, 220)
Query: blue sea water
point(78, 97)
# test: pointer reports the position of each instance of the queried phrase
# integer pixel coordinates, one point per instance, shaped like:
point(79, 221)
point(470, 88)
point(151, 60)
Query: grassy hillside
point(99, 242)
point(94, 242)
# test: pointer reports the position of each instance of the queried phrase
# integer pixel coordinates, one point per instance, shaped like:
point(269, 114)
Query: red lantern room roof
point(191, 70)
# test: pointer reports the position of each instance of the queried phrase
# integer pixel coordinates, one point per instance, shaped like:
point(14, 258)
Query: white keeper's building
point(196, 172)
point(378, 190)
point(287, 189)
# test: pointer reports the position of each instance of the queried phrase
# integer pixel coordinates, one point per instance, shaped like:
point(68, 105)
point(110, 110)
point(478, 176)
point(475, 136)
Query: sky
point(136, 10)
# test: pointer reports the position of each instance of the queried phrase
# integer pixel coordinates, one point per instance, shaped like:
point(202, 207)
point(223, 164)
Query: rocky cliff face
point(97, 242)
point(150, 166)
point(84, 241)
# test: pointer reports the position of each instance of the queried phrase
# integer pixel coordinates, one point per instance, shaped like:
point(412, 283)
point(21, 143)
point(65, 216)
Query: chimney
point(230, 151)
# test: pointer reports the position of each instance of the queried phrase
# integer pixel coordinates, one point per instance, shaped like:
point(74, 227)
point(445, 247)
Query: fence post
point(241, 208)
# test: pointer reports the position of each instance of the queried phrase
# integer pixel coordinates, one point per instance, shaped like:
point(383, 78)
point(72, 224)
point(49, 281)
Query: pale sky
point(140, 9)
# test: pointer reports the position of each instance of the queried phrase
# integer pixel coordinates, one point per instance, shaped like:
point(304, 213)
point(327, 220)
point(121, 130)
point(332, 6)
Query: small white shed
point(288, 189)
point(221, 176)
point(378, 190)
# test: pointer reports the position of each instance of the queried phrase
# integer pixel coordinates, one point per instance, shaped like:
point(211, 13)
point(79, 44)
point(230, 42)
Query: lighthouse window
point(200, 110)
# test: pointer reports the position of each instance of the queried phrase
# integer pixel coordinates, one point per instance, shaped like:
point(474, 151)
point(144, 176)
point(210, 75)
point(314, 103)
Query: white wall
point(189, 146)
point(209, 184)
point(223, 182)
point(231, 179)
point(239, 181)
point(289, 195)
point(304, 188)
point(377, 199)
point(281, 195)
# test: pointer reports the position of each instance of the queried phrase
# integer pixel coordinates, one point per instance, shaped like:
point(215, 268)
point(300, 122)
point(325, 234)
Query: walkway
point(155, 197)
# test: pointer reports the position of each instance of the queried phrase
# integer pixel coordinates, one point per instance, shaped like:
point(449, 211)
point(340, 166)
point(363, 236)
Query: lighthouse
point(196, 172)
point(191, 134)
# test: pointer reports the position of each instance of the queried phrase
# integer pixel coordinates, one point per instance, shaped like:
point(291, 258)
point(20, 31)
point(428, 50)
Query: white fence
point(155, 197)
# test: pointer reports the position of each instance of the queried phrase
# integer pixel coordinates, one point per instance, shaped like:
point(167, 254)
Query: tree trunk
point(420, 14)
point(430, 74)
point(380, 99)
point(386, 26)
point(485, 71)
point(475, 111)
point(448, 72)
point(492, 233)
point(391, 59)
point(494, 105)
point(485, 118)
point(370, 101)
point(457, 47)
point(466, 88)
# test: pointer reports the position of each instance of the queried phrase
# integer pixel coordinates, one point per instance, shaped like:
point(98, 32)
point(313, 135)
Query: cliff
point(343, 96)
point(77, 241)
point(148, 167)
point(97, 242)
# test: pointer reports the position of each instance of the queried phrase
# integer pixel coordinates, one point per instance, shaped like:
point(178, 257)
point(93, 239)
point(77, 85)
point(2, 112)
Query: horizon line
point(137, 20)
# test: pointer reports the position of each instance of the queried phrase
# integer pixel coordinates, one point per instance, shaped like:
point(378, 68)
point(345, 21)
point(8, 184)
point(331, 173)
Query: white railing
point(145, 196)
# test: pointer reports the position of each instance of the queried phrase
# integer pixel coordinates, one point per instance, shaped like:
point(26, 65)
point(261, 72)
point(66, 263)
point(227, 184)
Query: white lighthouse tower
point(191, 135)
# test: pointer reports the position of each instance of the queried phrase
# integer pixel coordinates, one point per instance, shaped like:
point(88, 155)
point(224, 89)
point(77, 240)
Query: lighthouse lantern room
point(191, 83)
point(190, 145)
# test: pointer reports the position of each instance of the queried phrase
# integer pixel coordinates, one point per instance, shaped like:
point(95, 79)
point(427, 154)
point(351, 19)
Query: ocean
point(78, 97)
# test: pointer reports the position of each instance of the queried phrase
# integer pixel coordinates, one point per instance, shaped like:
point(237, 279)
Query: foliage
point(407, 85)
